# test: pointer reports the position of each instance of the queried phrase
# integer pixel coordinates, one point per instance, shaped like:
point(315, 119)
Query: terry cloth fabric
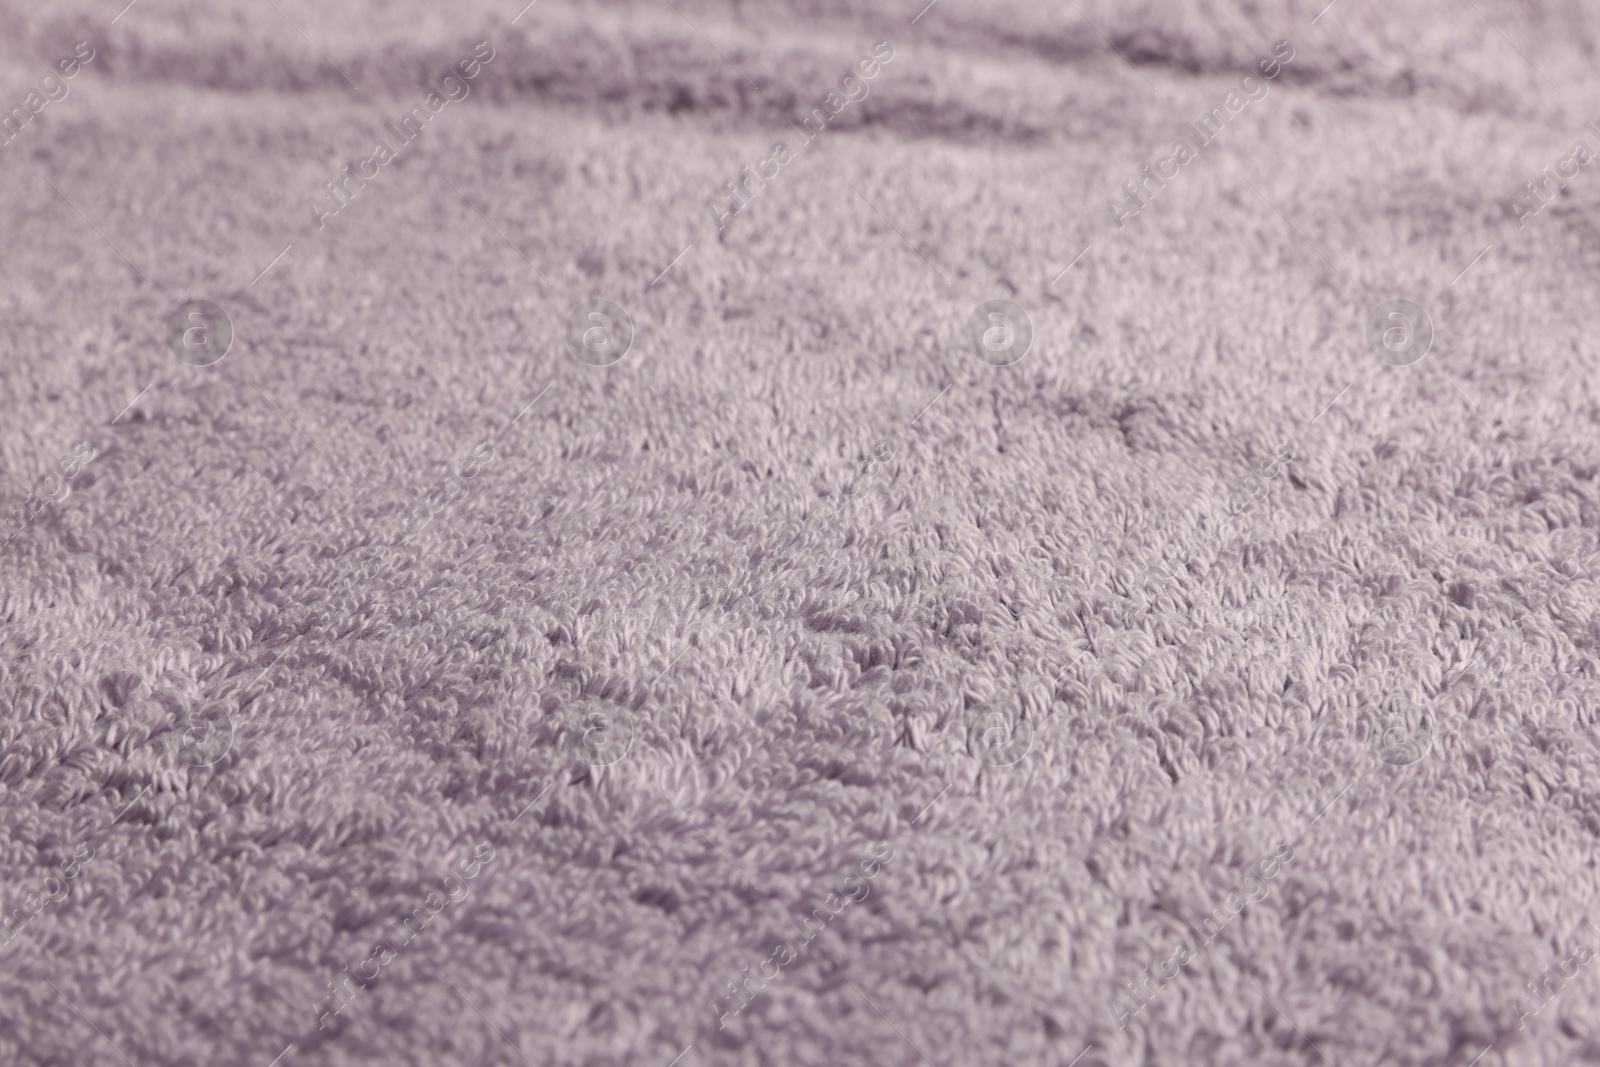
point(703, 533)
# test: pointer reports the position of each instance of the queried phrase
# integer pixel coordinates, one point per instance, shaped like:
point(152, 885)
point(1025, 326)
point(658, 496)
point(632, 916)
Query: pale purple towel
point(688, 533)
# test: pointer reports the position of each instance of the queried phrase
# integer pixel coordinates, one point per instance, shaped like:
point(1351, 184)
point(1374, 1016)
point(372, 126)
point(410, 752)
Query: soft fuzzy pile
point(1211, 684)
